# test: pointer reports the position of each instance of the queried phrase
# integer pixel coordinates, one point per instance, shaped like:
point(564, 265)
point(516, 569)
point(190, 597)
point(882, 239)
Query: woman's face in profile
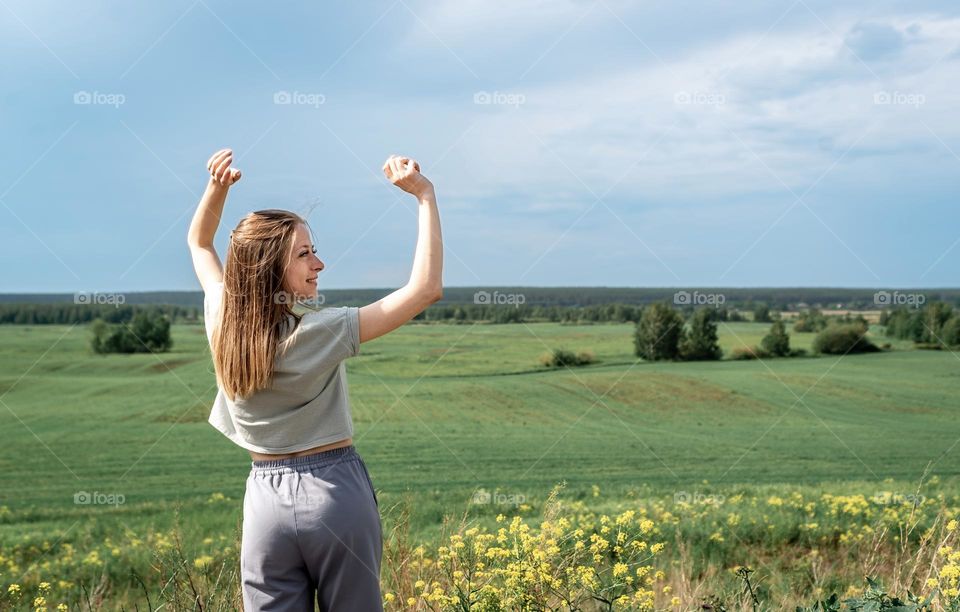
point(304, 266)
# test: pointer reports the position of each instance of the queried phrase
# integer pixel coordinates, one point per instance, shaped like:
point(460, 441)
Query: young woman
point(311, 521)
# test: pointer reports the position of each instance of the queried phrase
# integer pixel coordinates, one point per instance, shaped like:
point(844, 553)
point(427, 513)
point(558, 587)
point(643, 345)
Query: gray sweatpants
point(311, 530)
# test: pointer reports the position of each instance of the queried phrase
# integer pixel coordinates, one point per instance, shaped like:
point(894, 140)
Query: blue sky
point(798, 143)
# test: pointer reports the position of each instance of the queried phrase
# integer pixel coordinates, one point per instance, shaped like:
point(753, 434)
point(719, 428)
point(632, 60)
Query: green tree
point(906, 324)
point(700, 343)
point(951, 331)
point(810, 321)
point(657, 334)
point(761, 314)
point(100, 332)
point(935, 315)
point(777, 342)
point(152, 330)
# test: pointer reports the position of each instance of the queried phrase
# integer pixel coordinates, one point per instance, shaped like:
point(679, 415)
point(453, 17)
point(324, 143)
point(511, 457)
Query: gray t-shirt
point(308, 404)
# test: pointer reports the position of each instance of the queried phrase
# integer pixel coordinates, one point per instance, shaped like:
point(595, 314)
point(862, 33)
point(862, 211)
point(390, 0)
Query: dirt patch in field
point(670, 392)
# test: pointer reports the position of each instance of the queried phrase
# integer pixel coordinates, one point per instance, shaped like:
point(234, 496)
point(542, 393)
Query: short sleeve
point(212, 300)
point(328, 336)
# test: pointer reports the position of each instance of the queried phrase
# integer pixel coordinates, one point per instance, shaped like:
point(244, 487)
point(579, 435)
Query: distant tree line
point(500, 313)
point(605, 313)
point(747, 299)
point(934, 325)
point(115, 329)
point(68, 314)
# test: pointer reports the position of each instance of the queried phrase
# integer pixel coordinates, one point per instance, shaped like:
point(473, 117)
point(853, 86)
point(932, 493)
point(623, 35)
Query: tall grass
point(765, 548)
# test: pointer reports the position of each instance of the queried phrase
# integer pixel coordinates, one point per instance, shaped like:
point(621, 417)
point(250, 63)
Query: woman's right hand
point(404, 172)
point(219, 167)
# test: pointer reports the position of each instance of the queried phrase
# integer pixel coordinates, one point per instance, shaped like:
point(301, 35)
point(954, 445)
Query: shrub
point(843, 338)
point(560, 358)
point(748, 352)
point(149, 331)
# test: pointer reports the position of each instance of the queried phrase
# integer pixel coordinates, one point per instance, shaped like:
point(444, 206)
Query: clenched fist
point(404, 172)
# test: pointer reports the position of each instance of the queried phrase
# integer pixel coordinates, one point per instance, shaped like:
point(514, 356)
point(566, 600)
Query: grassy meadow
point(455, 419)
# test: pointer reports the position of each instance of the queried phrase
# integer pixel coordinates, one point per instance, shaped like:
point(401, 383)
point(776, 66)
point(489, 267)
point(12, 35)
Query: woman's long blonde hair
point(256, 305)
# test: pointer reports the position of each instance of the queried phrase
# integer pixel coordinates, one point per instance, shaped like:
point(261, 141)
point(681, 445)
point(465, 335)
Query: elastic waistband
point(313, 460)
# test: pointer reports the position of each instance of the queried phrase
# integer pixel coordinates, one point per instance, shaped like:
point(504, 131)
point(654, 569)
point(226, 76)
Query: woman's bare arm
point(206, 220)
point(426, 279)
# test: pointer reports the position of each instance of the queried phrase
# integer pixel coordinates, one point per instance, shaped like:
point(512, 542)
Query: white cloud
point(796, 99)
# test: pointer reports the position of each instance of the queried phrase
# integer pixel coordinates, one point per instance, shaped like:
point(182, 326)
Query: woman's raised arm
point(206, 220)
point(426, 279)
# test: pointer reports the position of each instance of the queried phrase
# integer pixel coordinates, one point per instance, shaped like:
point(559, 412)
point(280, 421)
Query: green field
point(441, 411)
